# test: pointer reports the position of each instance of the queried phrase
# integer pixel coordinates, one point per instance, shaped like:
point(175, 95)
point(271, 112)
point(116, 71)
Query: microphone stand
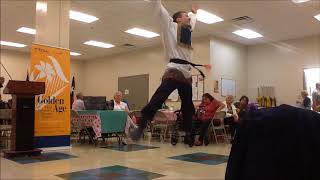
point(5, 70)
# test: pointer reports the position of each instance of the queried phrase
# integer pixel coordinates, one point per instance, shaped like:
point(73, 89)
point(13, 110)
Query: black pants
point(164, 90)
point(204, 130)
point(233, 125)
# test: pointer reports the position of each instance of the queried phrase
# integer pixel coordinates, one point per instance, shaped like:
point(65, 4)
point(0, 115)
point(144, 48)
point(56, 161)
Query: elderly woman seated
point(232, 117)
point(242, 107)
point(306, 101)
point(118, 105)
point(208, 107)
point(78, 104)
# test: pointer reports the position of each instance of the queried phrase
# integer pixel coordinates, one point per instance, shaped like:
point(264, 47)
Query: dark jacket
point(110, 104)
point(281, 143)
point(306, 103)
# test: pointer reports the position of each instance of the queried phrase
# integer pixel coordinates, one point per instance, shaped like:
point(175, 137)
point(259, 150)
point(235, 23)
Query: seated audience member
point(78, 104)
point(208, 107)
point(316, 98)
point(242, 107)
point(231, 118)
point(1, 81)
point(119, 105)
point(2, 103)
point(306, 101)
point(9, 104)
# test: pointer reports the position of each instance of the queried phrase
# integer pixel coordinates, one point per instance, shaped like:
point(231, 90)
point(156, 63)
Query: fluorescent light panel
point(41, 6)
point(79, 16)
point(207, 17)
point(300, 1)
point(12, 44)
point(98, 44)
point(247, 33)
point(74, 54)
point(317, 17)
point(26, 30)
point(142, 32)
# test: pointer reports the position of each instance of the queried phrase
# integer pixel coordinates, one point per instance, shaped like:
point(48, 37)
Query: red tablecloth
point(88, 120)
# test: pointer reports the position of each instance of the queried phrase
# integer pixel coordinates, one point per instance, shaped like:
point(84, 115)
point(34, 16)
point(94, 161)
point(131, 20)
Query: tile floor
point(50, 156)
point(129, 147)
point(89, 162)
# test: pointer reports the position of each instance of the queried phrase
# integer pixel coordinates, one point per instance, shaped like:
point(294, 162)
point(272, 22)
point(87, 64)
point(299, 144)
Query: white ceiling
point(275, 19)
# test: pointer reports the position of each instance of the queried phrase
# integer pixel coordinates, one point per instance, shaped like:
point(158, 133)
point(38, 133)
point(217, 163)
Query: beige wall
point(101, 75)
point(281, 65)
point(17, 64)
point(229, 60)
point(77, 72)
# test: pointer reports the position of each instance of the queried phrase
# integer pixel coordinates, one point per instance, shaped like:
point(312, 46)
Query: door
point(135, 90)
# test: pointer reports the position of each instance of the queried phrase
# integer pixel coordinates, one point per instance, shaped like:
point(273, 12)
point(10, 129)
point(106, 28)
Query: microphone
point(2, 78)
point(6, 71)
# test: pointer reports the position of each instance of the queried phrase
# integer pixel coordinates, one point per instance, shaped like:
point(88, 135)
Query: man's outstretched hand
point(194, 8)
point(207, 67)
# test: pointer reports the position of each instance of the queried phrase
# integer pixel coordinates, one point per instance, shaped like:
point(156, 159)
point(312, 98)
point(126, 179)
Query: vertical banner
point(52, 112)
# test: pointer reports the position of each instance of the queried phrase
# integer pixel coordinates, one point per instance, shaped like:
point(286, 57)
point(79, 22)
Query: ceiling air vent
point(242, 20)
point(128, 45)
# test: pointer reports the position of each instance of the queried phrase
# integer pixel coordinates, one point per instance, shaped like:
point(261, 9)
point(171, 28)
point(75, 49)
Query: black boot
point(206, 140)
point(136, 134)
point(189, 139)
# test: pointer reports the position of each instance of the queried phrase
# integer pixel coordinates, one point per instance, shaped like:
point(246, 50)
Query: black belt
point(180, 61)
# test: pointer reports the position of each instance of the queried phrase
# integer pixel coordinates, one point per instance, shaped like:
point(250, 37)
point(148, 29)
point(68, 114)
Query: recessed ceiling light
point(12, 44)
point(300, 1)
point(247, 33)
point(142, 32)
point(207, 17)
point(98, 44)
point(317, 17)
point(79, 16)
point(41, 6)
point(74, 54)
point(26, 30)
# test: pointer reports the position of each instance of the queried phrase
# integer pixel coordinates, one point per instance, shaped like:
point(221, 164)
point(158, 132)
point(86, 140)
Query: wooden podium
point(23, 104)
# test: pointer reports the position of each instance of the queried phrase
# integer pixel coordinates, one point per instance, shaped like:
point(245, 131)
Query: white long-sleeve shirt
point(122, 106)
point(78, 105)
point(169, 31)
point(233, 110)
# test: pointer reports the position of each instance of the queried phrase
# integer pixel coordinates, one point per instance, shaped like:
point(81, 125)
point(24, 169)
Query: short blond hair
point(79, 95)
point(230, 96)
point(118, 93)
point(304, 93)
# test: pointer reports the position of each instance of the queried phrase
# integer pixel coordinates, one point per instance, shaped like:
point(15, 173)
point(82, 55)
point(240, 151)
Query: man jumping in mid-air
point(176, 34)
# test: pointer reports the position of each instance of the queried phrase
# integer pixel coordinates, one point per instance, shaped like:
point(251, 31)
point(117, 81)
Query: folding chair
point(5, 134)
point(162, 122)
point(75, 129)
point(5, 127)
point(78, 128)
point(215, 129)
